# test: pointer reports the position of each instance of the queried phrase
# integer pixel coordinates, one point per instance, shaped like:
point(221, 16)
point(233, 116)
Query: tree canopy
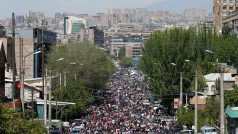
point(206, 115)
point(11, 122)
point(86, 67)
point(88, 62)
point(178, 46)
point(74, 92)
point(126, 62)
point(231, 97)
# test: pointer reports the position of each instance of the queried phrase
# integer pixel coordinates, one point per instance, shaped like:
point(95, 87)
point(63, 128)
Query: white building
point(73, 24)
point(211, 79)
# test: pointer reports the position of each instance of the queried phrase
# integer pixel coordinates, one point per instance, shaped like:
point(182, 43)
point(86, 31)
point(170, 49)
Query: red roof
point(201, 100)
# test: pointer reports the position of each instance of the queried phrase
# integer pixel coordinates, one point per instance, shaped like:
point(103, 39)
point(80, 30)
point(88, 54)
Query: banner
point(176, 103)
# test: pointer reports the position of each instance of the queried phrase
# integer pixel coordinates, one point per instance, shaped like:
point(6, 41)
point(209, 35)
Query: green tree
point(74, 92)
point(206, 115)
point(11, 122)
point(122, 53)
point(126, 62)
point(230, 97)
point(177, 45)
point(93, 66)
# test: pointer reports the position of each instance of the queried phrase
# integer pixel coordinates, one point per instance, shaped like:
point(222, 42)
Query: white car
point(208, 130)
point(187, 132)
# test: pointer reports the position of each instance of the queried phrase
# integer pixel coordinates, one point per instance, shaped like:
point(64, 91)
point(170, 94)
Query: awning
point(59, 103)
point(232, 112)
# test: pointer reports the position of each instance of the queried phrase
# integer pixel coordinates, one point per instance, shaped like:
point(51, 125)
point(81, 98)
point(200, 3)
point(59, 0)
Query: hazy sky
point(49, 7)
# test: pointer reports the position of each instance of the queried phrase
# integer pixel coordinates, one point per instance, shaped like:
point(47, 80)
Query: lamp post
point(181, 87)
point(50, 94)
point(196, 101)
point(196, 96)
point(222, 126)
point(196, 104)
point(22, 80)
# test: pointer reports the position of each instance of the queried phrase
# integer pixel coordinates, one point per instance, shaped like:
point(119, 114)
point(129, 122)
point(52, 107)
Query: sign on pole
point(176, 102)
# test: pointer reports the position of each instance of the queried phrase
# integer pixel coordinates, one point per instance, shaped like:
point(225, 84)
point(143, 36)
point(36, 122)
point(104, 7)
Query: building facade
point(49, 39)
point(212, 78)
point(232, 23)
point(133, 49)
point(73, 24)
point(228, 7)
point(92, 34)
point(223, 9)
point(3, 61)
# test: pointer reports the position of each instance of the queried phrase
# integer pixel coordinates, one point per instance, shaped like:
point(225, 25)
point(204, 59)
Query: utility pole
point(181, 89)
point(45, 99)
point(220, 18)
point(57, 98)
point(43, 72)
point(196, 104)
point(13, 61)
point(222, 129)
point(50, 92)
point(22, 72)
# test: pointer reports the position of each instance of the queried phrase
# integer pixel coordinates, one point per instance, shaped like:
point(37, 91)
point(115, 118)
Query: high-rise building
point(49, 39)
point(73, 24)
point(223, 9)
point(58, 17)
point(20, 19)
point(93, 35)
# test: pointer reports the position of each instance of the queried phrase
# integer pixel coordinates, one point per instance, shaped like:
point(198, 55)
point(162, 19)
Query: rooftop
point(215, 76)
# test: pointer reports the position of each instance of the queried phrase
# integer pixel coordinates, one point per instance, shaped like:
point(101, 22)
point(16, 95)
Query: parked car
point(208, 130)
point(56, 127)
point(186, 132)
point(77, 126)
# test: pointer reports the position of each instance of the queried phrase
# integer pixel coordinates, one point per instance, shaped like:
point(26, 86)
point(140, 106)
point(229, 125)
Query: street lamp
point(60, 59)
point(50, 94)
point(181, 87)
point(196, 101)
point(22, 80)
point(208, 51)
point(196, 96)
point(222, 126)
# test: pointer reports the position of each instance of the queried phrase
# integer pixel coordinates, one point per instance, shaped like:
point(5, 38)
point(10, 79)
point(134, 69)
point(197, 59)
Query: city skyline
point(91, 6)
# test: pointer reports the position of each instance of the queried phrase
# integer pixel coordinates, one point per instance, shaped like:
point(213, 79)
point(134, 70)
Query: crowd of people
point(127, 109)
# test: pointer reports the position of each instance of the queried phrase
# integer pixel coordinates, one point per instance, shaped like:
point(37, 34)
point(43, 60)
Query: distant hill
point(177, 6)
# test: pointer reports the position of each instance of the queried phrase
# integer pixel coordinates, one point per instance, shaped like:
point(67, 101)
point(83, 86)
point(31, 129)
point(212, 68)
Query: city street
point(128, 107)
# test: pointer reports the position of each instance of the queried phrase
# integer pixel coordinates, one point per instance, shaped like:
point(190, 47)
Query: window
point(224, 7)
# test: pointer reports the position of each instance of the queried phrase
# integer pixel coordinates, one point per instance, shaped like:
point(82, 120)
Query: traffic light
point(18, 86)
point(17, 90)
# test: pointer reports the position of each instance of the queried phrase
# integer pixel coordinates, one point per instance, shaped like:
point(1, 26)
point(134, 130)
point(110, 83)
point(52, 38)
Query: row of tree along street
point(85, 68)
point(88, 68)
point(178, 45)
